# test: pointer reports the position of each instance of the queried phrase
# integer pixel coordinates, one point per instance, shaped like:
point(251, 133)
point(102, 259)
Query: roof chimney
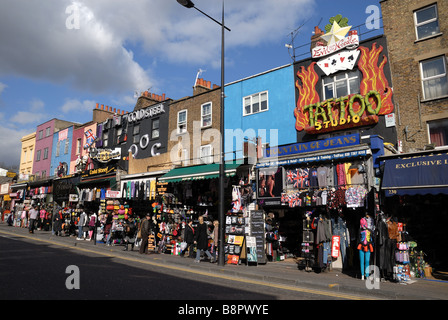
point(316, 38)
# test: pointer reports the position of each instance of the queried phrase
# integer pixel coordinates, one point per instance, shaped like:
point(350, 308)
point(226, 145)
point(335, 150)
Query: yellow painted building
point(27, 156)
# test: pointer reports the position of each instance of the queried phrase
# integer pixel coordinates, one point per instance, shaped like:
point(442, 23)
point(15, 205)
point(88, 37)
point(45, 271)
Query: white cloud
point(74, 105)
point(12, 145)
point(92, 58)
point(95, 56)
point(2, 87)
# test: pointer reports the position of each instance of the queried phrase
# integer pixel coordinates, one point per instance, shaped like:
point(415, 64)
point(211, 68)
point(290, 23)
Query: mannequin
point(365, 248)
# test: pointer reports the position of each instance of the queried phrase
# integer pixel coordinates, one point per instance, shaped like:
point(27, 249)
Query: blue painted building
point(61, 152)
point(261, 105)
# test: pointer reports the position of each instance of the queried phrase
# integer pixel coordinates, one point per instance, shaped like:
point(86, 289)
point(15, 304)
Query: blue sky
point(58, 58)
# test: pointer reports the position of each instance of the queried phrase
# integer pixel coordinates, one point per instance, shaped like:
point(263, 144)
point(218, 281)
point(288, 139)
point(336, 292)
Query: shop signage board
point(318, 113)
point(416, 175)
point(113, 194)
point(318, 158)
point(335, 246)
point(99, 171)
point(258, 231)
point(316, 145)
point(251, 245)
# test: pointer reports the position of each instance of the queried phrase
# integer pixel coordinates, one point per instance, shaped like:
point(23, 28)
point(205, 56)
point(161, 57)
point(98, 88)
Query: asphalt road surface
point(34, 270)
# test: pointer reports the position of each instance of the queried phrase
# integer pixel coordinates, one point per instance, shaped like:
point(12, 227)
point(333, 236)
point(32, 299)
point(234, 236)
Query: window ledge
point(434, 99)
point(429, 37)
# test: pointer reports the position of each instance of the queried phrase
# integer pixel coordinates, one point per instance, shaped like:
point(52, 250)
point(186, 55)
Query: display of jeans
point(339, 228)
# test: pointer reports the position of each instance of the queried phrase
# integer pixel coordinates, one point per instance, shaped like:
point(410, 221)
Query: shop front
point(314, 198)
point(415, 193)
point(191, 192)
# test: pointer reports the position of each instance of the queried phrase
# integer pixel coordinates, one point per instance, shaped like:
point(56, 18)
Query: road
point(42, 270)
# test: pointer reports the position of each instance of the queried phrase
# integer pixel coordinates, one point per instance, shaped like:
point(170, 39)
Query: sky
point(58, 58)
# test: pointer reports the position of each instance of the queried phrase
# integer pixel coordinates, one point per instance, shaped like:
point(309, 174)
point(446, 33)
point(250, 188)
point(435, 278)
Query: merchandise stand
point(235, 247)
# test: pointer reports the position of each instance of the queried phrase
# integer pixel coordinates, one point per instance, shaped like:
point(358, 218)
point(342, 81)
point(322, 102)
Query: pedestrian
point(145, 230)
point(189, 239)
point(42, 214)
point(81, 223)
point(201, 240)
point(92, 225)
point(24, 218)
point(214, 237)
point(33, 214)
point(129, 234)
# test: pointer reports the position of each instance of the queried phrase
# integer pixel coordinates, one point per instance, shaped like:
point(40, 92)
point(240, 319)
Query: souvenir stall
point(193, 191)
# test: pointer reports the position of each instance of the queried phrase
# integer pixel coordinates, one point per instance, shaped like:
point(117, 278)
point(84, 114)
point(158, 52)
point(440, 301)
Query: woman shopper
point(201, 240)
point(189, 239)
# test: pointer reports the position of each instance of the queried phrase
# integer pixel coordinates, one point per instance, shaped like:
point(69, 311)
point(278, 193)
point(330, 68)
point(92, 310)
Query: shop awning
point(416, 175)
point(200, 172)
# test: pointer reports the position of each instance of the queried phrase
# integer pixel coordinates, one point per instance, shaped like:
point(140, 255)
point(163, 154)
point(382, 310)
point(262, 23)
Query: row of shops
point(345, 207)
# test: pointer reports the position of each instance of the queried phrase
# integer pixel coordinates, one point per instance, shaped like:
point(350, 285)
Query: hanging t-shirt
point(313, 177)
point(322, 176)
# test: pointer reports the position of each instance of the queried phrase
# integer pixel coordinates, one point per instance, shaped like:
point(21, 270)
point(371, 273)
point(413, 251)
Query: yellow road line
point(203, 273)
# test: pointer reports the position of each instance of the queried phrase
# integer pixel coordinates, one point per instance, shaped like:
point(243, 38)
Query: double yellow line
point(199, 272)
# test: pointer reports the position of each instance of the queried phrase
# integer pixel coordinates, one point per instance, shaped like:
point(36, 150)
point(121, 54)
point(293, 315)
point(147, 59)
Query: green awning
point(200, 172)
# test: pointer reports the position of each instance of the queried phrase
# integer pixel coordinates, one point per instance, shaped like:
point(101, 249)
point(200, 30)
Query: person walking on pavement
point(34, 213)
point(145, 230)
point(189, 239)
point(81, 223)
point(201, 240)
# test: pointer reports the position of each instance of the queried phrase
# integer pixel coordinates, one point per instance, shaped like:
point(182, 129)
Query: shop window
point(58, 146)
point(438, 132)
point(185, 157)
point(426, 22)
point(206, 154)
point(341, 85)
point(155, 129)
point(434, 78)
point(206, 114)
point(119, 131)
point(136, 134)
point(105, 138)
point(255, 103)
point(182, 122)
point(78, 146)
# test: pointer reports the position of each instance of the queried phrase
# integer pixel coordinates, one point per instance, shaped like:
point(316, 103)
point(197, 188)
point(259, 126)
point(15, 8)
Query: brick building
point(194, 126)
point(417, 34)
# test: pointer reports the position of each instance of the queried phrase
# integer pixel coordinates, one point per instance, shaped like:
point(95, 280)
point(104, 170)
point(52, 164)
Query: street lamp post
point(221, 214)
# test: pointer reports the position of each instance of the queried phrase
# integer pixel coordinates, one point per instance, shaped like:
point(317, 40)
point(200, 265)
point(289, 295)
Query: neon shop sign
point(352, 110)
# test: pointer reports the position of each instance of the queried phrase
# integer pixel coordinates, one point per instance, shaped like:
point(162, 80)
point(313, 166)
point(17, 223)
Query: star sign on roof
point(336, 33)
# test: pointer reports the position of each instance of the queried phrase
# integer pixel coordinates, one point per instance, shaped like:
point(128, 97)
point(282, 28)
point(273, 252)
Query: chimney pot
point(97, 106)
point(102, 107)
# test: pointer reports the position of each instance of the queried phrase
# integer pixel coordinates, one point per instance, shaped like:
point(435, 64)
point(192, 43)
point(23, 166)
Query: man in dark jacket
point(145, 230)
point(201, 240)
point(189, 239)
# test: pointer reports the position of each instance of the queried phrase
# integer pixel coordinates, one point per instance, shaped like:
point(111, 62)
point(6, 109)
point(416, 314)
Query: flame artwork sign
point(375, 98)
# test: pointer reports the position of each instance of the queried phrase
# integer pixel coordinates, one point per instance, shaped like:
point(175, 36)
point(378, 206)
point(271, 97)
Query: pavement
point(285, 274)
